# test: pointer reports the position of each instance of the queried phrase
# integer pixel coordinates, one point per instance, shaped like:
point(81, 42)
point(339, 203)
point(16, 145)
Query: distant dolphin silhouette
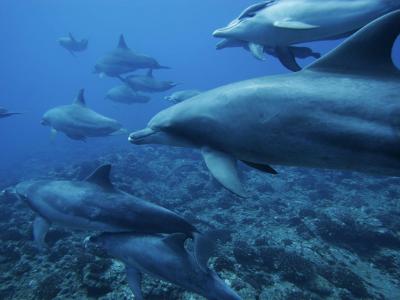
point(4, 113)
point(124, 94)
point(73, 45)
point(147, 83)
point(341, 112)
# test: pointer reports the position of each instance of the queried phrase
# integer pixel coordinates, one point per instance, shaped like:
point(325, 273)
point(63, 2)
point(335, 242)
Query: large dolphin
point(124, 60)
point(72, 44)
point(180, 96)
point(4, 113)
point(147, 83)
point(78, 122)
point(295, 51)
point(95, 204)
point(277, 24)
point(164, 257)
point(124, 94)
point(341, 112)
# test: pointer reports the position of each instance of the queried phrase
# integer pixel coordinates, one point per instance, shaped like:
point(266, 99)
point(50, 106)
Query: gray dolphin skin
point(180, 96)
point(78, 122)
point(72, 44)
point(147, 83)
point(295, 52)
point(278, 24)
point(124, 94)
point(341, 112)
point(123, 60)
point(164, 257)
point(95, 204)
point(4, 113)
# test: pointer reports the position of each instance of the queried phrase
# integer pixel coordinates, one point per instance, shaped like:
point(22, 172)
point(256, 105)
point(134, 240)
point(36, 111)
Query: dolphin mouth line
point(139, 137)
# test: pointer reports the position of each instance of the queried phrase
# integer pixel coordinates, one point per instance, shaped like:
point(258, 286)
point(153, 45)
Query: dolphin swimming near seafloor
point(278, 24)
point(95, 204)
point(78, 122)
point(124, 94)
point(124, 60)
point(164, 257)
point(73, 45)
point(147, 83)
point(4, 113)
point(341, 112)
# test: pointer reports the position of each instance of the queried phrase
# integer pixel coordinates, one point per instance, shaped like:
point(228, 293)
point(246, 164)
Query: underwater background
point(306, 234)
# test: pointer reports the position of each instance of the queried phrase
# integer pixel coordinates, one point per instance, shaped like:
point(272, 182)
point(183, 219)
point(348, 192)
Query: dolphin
point(164, 257)
point(147, 83)
point(182, 95)
point(124, 94)
point(72, 44)
point(79, 122)
point(277, 24)
point(4, 113)
point(95, 204)
point(340, 112)
point(124, 60)
point(295, 51)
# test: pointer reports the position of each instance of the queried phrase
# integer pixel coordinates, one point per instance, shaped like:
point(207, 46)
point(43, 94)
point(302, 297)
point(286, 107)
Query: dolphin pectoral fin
point(134, 278)
point(223, 167)
point(204, 247)
point(257, 50)
point(261, 167)
point(40, 228)
point(291, 24)
point(53, 134)
point(287, 58)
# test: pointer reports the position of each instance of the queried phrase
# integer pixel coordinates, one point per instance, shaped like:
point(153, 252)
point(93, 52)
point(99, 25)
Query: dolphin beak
point(140, 137)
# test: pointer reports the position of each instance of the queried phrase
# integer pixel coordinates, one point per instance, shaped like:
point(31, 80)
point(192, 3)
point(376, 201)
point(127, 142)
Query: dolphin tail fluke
point(40, 228)
point(369, 51)
point(224, 169)
point(287, 58)
point(134, 278)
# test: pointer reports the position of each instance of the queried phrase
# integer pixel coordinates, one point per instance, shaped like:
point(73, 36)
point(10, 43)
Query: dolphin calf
point(147, 83)
point(124, 60)
point(78, 122)
point(182, 95)
point(95, 204)
point(4, 113)
point(164, 257)
point(295, 52)
point(277, 24)
point(341, 112)
point(124, 94)
point(72, 44)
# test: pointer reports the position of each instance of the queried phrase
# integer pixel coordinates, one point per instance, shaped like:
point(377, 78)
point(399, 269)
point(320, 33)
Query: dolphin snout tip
point(218, 33)
point(140, 136)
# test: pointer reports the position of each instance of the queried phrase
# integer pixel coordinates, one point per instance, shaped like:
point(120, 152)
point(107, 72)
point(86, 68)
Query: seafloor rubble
point(303, 234)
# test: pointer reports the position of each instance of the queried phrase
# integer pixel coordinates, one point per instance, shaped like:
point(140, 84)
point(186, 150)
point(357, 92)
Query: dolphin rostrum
point(147, 83)
point(124, 60)
point(4, 113)
point(277, 24)
point(95, 204)
point(78, 122)
point(72, 44)
point(124, 94)
point(182, 95)
point(165, 257)
point(341, 112)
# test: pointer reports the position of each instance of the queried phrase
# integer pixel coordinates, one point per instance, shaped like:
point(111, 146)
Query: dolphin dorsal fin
point(80, 99)
point(150, 73)
point(122, 43)
point(71, 36)
point(101, 177)
point(369, 51)
point(176, 241)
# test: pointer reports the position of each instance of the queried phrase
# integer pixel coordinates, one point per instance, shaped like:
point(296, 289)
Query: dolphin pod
point(73, 45)
point(123, 60)
point(278, 24)
point(155, 255)
point(4, 113)
point(339, 113)
point(78, 122)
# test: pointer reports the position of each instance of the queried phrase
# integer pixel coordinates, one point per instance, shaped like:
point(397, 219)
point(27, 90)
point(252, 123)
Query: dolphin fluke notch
point(101, 177)
point(367, 51)
point(80, 99)
point(122, 43)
